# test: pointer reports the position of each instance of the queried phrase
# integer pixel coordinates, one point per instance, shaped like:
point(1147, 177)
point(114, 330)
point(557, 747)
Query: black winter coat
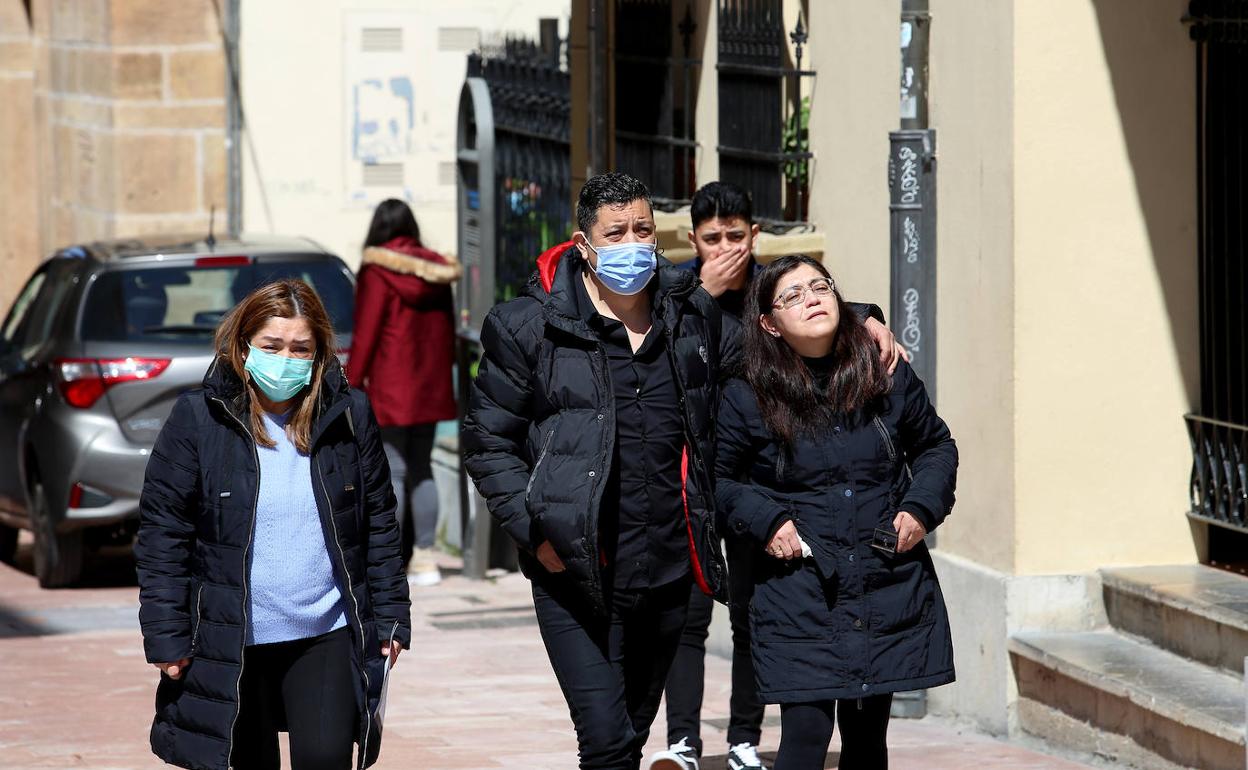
point(539, 434)
point(197, 516)
point(850, 622)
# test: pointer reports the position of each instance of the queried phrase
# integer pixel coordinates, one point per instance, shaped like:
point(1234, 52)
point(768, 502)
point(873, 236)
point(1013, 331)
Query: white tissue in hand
point(806, 552)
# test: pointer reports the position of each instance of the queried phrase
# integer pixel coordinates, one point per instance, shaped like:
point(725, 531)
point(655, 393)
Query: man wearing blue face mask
point(589, 435)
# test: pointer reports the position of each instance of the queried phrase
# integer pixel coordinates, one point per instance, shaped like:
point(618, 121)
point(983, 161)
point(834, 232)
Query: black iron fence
point(654, 93)
point(530, 95)
point(763, 138)
point(1220, 31)
point(1219, 471)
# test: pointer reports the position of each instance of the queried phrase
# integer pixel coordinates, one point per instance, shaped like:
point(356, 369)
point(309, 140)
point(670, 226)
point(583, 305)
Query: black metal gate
point(763, 142)
point(514, 175)
point(530, 95)
point(654, 97)
point(1219, 433)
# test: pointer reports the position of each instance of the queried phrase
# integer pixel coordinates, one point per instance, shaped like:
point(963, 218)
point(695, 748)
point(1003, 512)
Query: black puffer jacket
point(850, 622)
point(197, 516)
point(540, 430)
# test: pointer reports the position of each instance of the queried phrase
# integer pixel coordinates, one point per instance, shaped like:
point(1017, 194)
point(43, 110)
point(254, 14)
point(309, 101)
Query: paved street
point(476, 692)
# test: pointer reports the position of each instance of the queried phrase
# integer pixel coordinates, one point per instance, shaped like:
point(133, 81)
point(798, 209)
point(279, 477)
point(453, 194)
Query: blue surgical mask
point(278, 377)
point(625, 268)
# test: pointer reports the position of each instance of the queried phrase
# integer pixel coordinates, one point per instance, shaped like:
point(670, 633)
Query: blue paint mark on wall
point(383, 118)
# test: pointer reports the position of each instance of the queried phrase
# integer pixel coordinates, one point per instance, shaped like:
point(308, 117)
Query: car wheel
point(58, 556)
point(8, 544)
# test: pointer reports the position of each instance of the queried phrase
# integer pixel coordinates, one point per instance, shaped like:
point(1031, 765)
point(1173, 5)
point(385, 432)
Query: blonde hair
point(290, 298)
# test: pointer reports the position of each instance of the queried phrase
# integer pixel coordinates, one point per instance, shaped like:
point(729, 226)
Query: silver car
point(95, 350)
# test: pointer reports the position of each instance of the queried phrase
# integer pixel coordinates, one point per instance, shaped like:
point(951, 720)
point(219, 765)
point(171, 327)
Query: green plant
point(796, 138)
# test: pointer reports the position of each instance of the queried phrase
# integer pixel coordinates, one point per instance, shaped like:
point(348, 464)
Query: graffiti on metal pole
point(911, 332)
point(910, 240)
point(909, 175)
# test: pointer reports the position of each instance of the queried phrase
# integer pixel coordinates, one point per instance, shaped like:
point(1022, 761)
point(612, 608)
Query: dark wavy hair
point(610, 189)
point(721, 199)
point(791, 401)
point(392, 219)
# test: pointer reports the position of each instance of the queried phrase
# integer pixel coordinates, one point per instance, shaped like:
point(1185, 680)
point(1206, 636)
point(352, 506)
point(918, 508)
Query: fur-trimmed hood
point(405, 257)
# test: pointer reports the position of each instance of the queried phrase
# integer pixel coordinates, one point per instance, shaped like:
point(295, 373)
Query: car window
point(47, 307)
point(21, 308)
point(170, 304)
point(328, 279)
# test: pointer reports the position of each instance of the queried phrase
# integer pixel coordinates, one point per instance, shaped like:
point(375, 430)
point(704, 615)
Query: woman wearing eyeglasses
point(836, 471)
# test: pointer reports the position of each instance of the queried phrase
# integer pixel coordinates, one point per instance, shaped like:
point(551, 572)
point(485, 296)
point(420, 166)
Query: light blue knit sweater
point(294, 592)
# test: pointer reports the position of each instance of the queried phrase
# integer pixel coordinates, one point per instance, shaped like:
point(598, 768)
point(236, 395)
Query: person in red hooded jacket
point(402, 353)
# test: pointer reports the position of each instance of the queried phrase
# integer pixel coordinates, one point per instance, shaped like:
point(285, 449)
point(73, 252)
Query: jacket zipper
point(199, 604)
point(695, 452)
point(251, 529)
point(595, 489)
point(888, 441)
point(355, 609)
point(528, 489)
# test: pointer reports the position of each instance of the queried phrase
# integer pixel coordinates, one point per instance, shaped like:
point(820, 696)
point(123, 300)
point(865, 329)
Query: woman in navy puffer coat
point(837, 471)
point(271, 587)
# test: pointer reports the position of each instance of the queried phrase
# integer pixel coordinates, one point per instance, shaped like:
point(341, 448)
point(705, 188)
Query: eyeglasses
point(796, 294)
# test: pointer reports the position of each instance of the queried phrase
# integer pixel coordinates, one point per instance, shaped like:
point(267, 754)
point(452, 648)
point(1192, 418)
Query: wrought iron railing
point(1219, 471)
point(530, 94)
point(655, 90)
point(1219, 434)
point(1220, 30)
point(763, 139)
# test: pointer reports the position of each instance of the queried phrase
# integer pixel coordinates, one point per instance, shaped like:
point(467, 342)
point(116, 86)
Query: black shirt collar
point(587, 311)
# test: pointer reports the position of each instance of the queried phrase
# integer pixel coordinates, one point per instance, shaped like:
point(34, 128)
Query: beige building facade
point(114, 124)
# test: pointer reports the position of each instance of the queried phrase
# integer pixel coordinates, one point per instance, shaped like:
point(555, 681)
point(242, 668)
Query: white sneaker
point(423, 570)
point(744, 756)
point(679, 756)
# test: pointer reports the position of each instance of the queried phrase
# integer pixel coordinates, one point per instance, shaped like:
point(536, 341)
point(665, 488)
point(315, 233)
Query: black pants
point(308, 685)
point(409, 451)
point(806, 731)
point(685, 683)
point(611, 669)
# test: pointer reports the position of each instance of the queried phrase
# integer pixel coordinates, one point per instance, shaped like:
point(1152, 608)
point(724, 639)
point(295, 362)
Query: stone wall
point(133, 95)
point(125, 132)
point(19, 196)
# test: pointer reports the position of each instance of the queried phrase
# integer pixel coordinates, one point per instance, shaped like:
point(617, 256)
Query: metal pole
point(912, 238)
point(799, 37)
point(597, 87)
point(234, 124)
point(916, 29)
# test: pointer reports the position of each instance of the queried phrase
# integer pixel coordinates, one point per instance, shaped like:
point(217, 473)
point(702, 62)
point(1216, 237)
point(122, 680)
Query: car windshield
point(170, 304)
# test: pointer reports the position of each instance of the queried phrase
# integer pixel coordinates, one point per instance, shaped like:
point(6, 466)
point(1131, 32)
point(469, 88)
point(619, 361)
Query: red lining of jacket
point(547, 264)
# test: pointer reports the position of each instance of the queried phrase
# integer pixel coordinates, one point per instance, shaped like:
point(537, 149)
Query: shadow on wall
point(1151, 62)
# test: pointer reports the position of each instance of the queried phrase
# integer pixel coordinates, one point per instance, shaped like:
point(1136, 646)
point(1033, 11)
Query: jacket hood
point(405, 265)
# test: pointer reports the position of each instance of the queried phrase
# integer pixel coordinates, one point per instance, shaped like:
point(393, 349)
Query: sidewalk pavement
point(475, 692)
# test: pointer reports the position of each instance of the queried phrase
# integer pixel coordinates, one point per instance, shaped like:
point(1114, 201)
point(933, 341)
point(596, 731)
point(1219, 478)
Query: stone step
point(1192, 610)
point(1168, 707)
